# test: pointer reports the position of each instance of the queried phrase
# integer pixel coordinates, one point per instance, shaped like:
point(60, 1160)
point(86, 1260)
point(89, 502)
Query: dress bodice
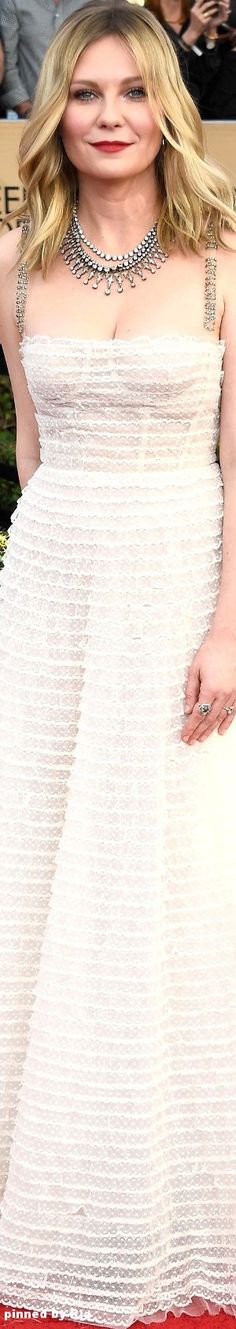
point(140, 404)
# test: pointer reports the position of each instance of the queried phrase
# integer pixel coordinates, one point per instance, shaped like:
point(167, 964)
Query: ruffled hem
point(198, 1306)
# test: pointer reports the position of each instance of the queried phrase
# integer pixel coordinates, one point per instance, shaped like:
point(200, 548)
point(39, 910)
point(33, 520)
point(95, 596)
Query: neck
point(117, 216)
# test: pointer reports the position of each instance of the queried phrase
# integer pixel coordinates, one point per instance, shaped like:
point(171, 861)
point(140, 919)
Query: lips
point(107, 146)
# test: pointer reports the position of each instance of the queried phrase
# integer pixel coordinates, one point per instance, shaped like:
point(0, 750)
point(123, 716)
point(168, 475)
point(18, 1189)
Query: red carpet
point(9, 1315)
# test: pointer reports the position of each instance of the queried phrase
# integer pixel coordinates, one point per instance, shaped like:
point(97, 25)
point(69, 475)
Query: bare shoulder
point(9, 262)
point(9, 242)
point(27, 441)
point(226, 257)
point(226, 265)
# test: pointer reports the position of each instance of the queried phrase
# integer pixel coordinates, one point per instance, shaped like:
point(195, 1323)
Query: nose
point(110, 113)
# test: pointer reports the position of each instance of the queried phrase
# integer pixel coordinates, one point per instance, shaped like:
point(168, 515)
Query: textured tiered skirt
point(118, 905)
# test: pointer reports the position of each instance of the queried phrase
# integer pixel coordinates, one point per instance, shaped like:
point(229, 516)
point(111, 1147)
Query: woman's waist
point(120, 461)
point(167, 450)
point(164, 503)
point(167, 471)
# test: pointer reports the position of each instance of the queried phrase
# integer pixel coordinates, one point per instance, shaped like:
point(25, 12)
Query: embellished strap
point(210, 283)
point(22, 285)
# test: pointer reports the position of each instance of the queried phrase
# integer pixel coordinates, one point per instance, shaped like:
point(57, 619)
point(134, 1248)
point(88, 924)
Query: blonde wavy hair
point(194, 191)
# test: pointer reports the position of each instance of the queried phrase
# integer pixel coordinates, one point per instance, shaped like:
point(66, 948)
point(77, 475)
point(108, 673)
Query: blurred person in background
point(26, 28)
point(204, 37)
point(2, 68)
point(219, 100)
point(2, 62)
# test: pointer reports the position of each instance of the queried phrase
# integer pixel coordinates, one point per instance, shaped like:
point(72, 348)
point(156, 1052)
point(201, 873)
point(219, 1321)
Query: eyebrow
point(88, 82)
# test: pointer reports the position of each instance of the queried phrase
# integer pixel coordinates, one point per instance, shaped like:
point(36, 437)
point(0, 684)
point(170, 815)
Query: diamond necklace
point(148, 254)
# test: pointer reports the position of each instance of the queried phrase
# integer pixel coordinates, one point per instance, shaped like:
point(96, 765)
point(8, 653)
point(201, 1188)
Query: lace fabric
point(117, 873)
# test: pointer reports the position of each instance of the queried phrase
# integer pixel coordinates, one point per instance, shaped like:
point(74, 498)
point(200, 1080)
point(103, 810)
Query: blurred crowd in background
point(203, 33)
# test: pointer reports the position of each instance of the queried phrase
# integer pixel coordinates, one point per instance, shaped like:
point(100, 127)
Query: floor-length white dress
point(118, 847)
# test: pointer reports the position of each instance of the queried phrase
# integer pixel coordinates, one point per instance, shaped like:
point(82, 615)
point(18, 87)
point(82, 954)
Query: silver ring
point(228, 709)
point(205, 707)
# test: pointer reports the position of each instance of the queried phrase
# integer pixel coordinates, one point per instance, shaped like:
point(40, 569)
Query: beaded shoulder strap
point(210, 283)
point(22, 285)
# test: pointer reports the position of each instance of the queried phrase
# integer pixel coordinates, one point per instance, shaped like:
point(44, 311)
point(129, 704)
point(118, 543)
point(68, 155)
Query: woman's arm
point(27, 440)
point(14, 91)
point(224, 619)
point(202, 14)
point(225, 613)
point(212, 675)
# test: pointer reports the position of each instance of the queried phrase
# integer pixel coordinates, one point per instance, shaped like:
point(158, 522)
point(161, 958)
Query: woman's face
point(107, 103)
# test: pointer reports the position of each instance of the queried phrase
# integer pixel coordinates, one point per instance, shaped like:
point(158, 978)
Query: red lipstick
point(107, 146)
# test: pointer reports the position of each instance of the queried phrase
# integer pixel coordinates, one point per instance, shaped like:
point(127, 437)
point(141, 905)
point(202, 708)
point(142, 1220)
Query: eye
point(140, 92)
point(84, 93)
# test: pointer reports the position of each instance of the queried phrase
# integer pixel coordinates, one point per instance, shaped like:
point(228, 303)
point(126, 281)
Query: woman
point(205, 45)
point(2, 67)
point(118, 1001)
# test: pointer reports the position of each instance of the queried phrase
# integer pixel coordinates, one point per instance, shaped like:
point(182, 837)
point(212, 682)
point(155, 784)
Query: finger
point(199, 729)
point(206, 727)
point(226, 724)
point(227, 720)
point(211, 728)
point(198, 735)
point(197, 724)
point(220, 728)
point(214, 721)
point(195, 717)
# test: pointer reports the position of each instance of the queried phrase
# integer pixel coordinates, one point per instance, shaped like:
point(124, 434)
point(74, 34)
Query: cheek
point(153, 131)
point(68, 122)
point(148, 129)
point(72, 135)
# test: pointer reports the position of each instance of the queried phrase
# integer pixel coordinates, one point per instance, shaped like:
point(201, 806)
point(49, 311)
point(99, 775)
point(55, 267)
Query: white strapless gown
point(118, 848)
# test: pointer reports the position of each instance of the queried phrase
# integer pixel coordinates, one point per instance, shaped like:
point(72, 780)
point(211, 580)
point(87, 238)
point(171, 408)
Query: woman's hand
point(211, 677)
point(221, 17)
point(202, 13)
point(223, 12)
point(23, 109)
